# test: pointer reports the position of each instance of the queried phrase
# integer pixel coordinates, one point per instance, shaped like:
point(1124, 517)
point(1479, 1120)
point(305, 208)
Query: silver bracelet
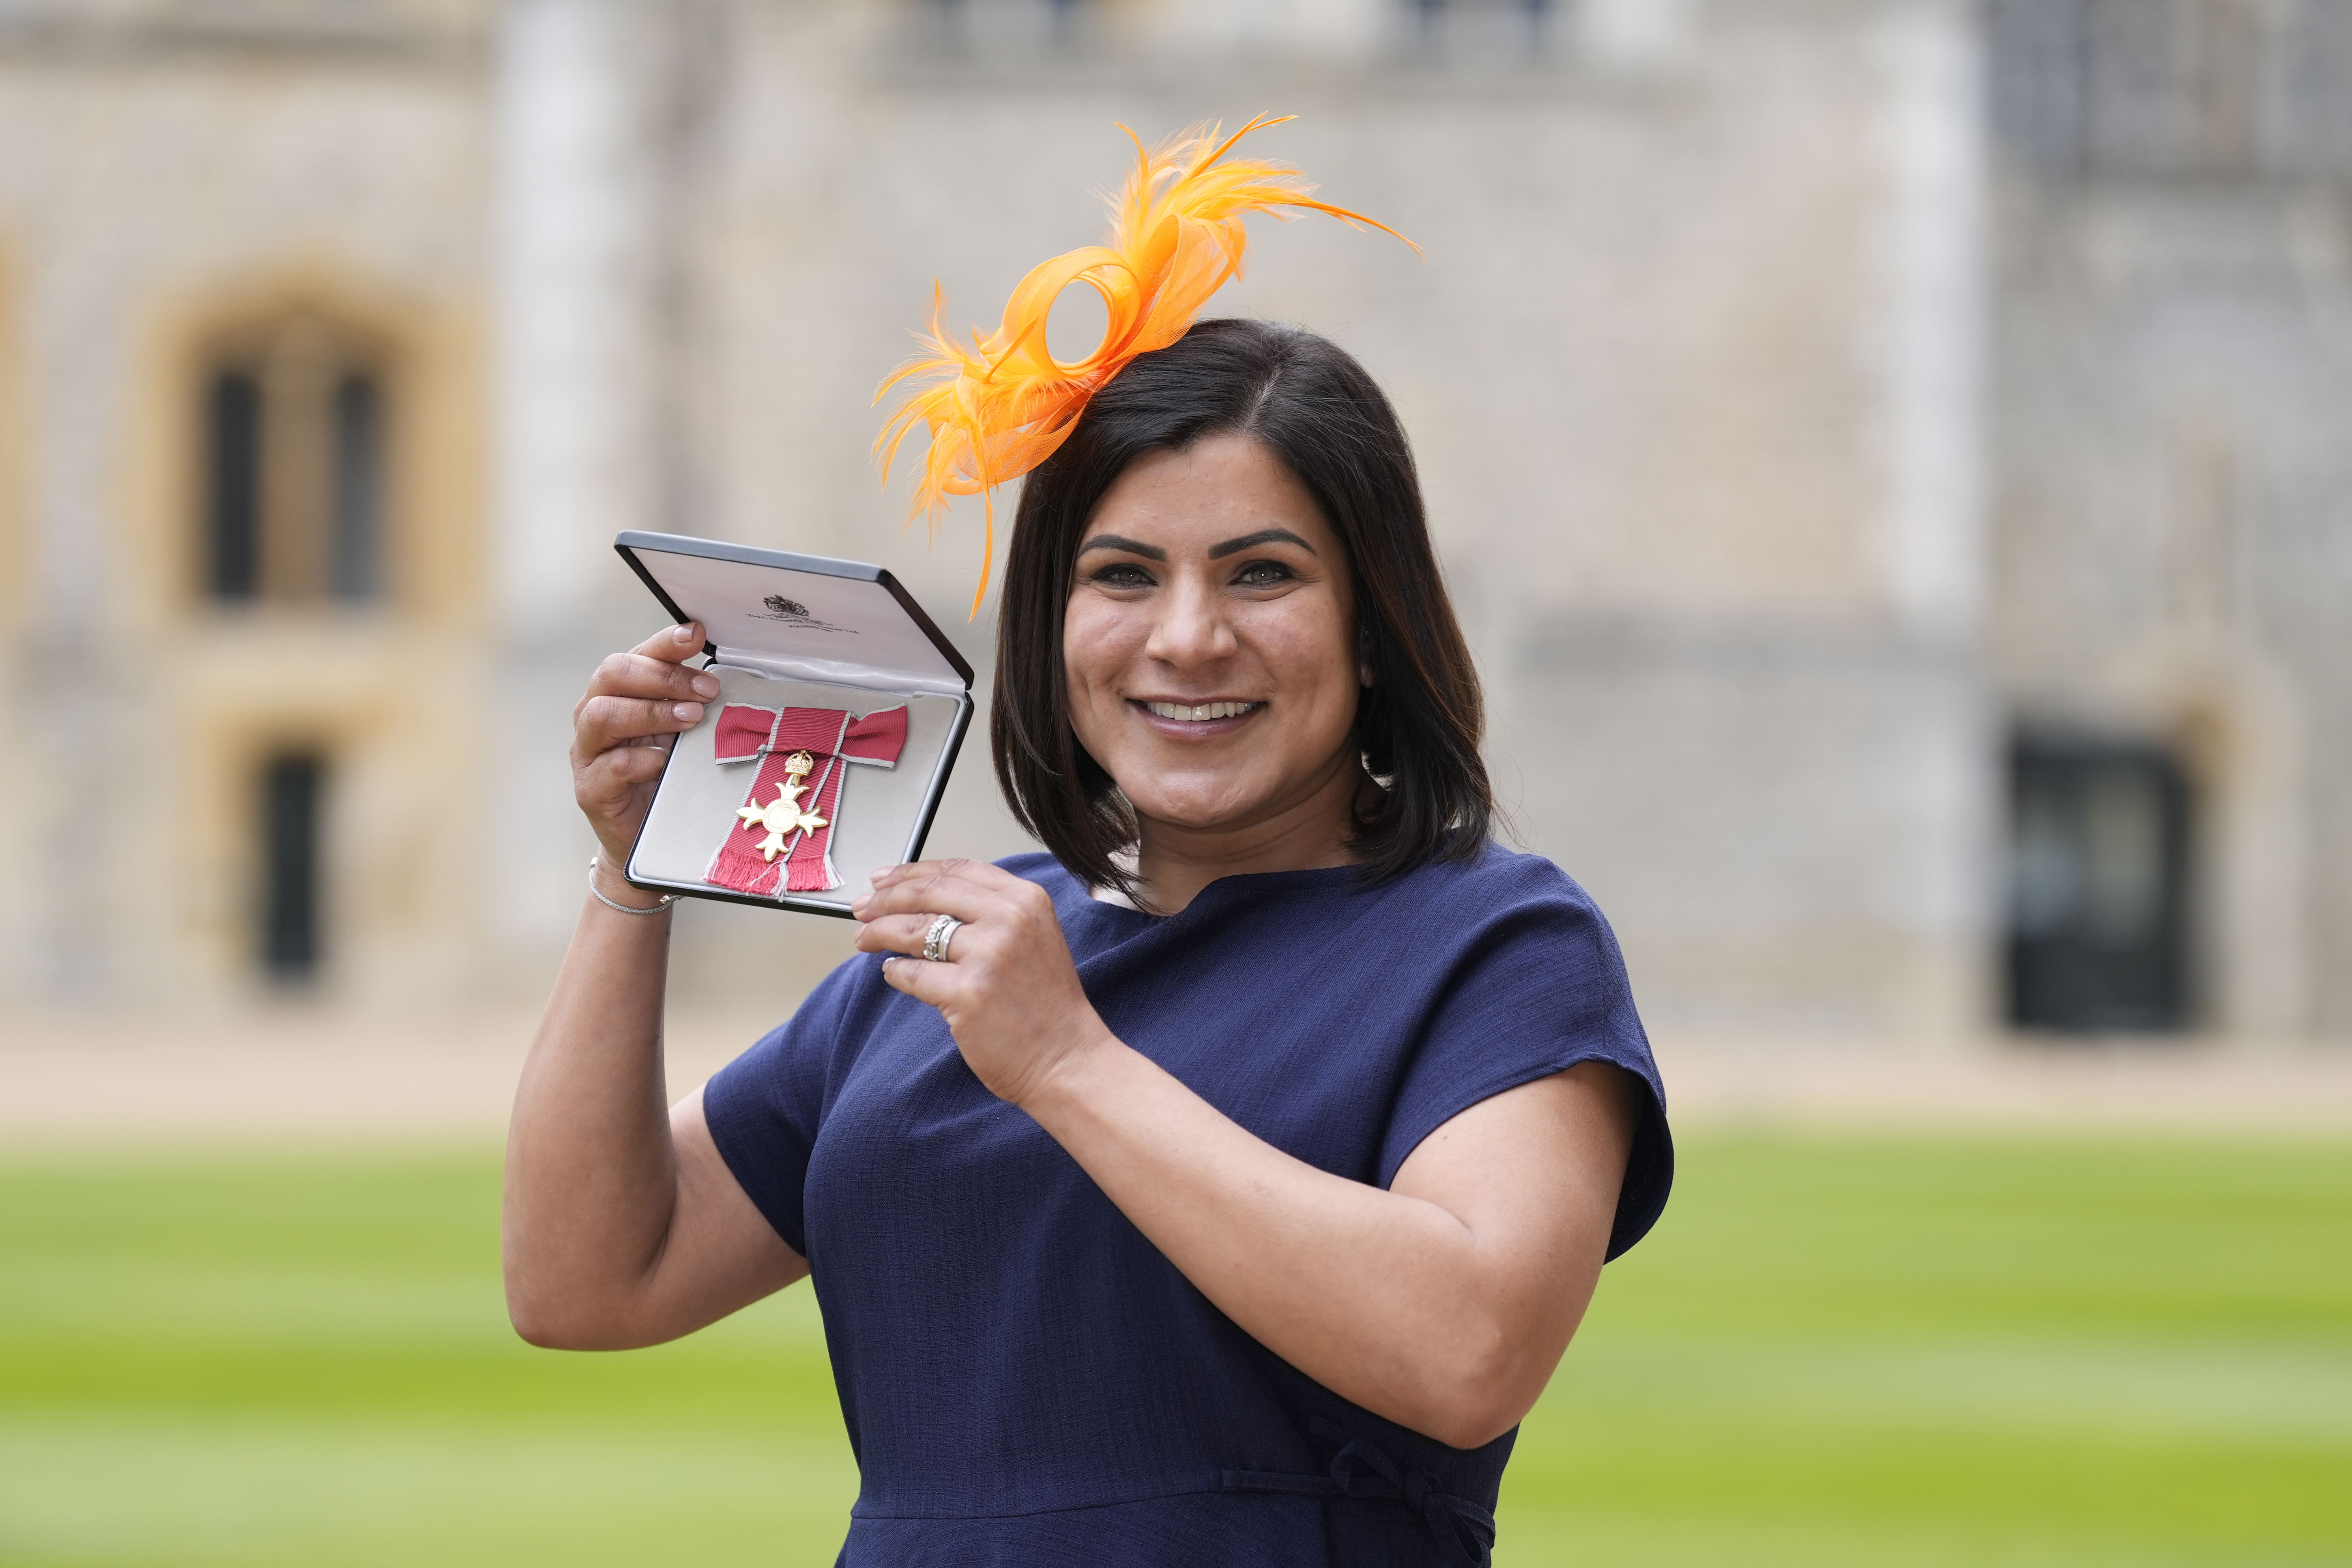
point(597, 893)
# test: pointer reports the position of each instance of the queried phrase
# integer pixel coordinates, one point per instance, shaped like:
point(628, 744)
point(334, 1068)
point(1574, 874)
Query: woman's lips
point(1175, 719)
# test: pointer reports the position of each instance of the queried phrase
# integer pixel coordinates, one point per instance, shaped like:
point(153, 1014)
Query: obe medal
point(784, 818)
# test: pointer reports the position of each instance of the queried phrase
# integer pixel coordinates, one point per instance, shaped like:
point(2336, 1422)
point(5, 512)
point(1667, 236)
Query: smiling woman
point(1218, 1188)
point(1268, 454)
point(1285, 469)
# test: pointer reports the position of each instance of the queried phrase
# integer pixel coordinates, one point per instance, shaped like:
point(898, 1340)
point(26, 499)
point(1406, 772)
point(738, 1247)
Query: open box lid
point(800, 617)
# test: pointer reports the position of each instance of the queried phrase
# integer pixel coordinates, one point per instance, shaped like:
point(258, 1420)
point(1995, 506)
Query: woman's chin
point(1186, 811)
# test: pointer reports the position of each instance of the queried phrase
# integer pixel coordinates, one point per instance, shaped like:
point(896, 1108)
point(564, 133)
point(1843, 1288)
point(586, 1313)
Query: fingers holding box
point(621, 727)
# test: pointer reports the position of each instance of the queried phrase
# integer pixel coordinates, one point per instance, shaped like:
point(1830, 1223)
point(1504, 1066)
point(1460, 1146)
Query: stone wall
point(1688, 362)
point(162, 176)
point(1699, 361)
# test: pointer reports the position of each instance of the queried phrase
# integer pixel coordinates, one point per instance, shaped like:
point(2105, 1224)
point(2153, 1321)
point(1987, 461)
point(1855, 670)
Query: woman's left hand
point(1008, 989)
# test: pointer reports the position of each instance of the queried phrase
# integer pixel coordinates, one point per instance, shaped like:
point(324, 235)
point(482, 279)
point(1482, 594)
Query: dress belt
point(1464, 1531)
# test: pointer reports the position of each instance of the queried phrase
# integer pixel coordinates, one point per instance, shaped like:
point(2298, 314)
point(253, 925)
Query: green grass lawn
point(1834, 1352)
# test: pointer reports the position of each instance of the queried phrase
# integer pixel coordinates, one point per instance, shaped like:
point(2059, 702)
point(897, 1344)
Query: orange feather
point(1001, 406)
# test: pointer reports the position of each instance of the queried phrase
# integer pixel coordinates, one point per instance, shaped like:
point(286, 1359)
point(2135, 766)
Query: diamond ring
point(941, 933)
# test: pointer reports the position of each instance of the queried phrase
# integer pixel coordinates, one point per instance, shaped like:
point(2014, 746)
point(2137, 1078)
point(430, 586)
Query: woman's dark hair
point(1313, 406)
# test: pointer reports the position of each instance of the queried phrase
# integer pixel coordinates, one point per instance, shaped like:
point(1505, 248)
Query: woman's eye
point(1262, 574)
point(1122, 575)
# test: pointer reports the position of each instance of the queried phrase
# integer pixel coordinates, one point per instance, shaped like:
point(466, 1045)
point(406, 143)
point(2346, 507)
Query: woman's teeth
point(1197, 713)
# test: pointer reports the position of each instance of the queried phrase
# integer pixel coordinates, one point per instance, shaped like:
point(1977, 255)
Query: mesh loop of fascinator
point(1001, 405)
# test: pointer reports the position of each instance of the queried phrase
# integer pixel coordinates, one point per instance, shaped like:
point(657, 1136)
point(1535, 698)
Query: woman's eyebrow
point(1263, 536)
point(1114, 542)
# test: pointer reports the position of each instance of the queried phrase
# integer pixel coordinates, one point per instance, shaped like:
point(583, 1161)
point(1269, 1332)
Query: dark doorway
point(292, 790)
point(2098, 886)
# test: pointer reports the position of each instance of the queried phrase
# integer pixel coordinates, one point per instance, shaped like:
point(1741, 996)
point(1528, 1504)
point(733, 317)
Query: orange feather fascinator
point(1000, 406)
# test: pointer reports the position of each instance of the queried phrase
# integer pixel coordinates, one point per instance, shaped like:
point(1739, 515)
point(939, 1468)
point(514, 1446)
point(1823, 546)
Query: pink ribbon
point(770, 736)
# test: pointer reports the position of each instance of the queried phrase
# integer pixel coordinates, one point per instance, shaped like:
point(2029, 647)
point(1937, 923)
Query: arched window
point(295, 418)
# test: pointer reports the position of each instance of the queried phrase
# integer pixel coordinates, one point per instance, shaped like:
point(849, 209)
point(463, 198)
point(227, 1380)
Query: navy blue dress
point(1026, 1380)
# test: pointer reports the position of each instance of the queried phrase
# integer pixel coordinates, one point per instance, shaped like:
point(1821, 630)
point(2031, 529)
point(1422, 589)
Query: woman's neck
point(1174, 861)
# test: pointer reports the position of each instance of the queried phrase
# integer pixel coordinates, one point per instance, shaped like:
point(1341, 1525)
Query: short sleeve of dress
point(764, 1106)
point(1538, 987)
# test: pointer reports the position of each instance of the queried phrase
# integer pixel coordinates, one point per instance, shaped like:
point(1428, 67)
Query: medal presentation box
point(822, 758)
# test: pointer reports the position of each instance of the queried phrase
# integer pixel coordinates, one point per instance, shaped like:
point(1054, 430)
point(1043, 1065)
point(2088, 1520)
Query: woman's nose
point(1191, 627)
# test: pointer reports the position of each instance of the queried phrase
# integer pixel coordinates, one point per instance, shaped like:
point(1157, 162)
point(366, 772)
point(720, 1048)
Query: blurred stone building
point(1891, 454)
point(2169, 630)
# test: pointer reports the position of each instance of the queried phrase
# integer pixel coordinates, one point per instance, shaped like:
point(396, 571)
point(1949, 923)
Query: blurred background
point(1894, 461)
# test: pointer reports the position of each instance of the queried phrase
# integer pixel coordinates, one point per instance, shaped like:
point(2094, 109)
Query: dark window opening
point(296, 445)
point(292, 788)
point(233, 448)
point(999, 27)
point(358, 488)
point(2098, 888)
point(1480, 26)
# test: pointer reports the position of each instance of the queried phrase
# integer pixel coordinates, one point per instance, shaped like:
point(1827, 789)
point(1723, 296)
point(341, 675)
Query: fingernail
point(707, 685)
point(689, 711)
point(857, 905)
point(684, 633)
point(884, 875)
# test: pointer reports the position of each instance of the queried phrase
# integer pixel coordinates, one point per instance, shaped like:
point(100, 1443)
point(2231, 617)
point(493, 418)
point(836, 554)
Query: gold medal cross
point(783, 816)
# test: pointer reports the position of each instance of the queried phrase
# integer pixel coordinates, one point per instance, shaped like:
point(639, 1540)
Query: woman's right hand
point(620, 732)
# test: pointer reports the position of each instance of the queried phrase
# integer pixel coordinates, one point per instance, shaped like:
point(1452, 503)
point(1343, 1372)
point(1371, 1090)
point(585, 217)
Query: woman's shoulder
point(1535, 983)
point(1513, 919)
point(1497, 879)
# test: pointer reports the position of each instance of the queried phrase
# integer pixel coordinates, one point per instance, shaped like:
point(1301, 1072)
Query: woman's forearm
point(1389, 1299)
point(592, 1175)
